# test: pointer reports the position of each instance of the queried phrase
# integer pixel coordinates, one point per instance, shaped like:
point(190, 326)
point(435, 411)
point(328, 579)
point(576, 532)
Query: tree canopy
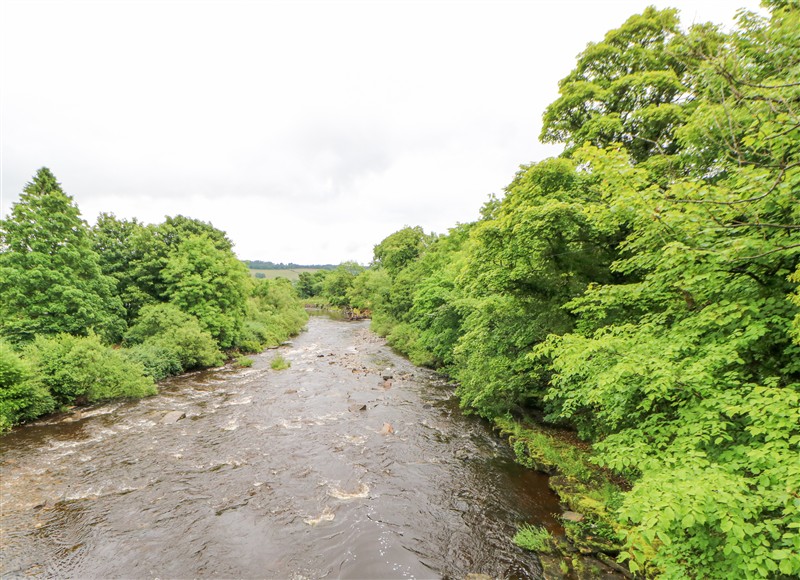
point(50, 278)
point(642, 289)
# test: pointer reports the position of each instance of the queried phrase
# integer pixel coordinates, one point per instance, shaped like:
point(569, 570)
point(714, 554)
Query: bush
point(405, 339)
point(244, 361)
point(168, 334)
point(257, 334)
point(20, 398)
point(81, 369)
point(159, 360)
point(279, 363)
point(274, 313)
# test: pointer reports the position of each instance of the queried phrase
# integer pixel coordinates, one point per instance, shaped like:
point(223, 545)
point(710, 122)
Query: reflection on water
point(273, 474)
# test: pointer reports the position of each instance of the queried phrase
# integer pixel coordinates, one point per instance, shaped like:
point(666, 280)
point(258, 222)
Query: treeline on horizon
point(262, 265)
point(94, 313)
point(642, 289)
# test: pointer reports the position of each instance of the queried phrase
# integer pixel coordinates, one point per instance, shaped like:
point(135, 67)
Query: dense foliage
point(173, 294)
point(50, 278)
point(642, 289)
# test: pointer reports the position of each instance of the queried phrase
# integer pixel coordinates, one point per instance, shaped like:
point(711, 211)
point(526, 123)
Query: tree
point(50, 278)
point(210, 283)
point(121, 246)
point(400, 248)
point(626, 89)
point(338, 283)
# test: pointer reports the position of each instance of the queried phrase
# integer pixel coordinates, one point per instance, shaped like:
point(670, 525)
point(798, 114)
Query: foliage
point(209, 283)
point(279, 363)
point(243, 361)
point(338, 283)
point(642, 289)
point(20, 397)
point(167, 341)
point(534, 538)
point(119, 245)
point(310, 284)
point(400, 248)
point(137, 255)
point(81, 369)
point(50, 281)
point(159, 358)
point(370, 289)
point(274, 313)
point(626, 89)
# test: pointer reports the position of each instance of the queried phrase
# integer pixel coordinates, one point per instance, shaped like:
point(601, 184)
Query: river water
point(321, 470)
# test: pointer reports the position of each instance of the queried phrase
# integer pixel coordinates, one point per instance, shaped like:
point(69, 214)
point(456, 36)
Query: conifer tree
point(50, 281)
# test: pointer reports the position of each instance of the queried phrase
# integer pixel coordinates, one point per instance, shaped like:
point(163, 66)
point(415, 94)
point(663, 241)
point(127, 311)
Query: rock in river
point(172, 417)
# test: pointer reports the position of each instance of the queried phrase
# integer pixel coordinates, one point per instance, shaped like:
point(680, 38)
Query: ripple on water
point(271, 475)
point(361, 492)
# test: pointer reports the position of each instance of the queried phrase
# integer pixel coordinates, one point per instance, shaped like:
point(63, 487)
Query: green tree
point(310, 284)
point(50, 278)
point(121, 248)
point(209, 283)
point(400, 248)
point(338, 283)
point(625, 89)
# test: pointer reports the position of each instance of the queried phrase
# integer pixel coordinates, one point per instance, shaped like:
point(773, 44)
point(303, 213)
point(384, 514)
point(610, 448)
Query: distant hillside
point(261, 265)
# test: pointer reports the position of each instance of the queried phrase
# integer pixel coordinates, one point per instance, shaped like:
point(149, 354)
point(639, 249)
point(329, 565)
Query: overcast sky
point(308, 131)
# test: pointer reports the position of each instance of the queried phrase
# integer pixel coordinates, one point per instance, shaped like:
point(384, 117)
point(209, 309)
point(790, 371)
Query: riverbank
point(588, 493)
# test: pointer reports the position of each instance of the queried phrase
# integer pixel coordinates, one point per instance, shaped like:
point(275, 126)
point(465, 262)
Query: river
point(321, 470)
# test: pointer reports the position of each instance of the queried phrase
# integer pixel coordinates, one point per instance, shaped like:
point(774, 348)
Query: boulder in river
point(572, 516)
point(387, 429)
point(172, 417)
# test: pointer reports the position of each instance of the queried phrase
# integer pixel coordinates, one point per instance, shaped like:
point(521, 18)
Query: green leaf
point(786, 567)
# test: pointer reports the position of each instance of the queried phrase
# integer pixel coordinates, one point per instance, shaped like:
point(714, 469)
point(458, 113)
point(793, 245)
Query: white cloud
point(307, 130)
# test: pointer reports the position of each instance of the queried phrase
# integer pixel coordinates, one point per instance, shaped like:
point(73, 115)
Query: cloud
point(307, 130)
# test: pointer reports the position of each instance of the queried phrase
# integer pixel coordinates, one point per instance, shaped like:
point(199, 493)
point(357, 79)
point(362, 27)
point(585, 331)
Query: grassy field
point(290, 274)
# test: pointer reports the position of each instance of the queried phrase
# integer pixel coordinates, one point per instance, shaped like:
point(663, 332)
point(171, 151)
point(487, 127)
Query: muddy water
point(321, 470)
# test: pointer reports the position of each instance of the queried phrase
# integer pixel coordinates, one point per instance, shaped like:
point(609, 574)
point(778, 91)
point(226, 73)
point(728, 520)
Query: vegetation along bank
point(642, 290)
point(88, 314)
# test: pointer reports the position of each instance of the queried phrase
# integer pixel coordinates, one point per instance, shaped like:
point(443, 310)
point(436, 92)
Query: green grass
point(534, 538)
point(243, 361)
point(279, 363)
point(288, 274)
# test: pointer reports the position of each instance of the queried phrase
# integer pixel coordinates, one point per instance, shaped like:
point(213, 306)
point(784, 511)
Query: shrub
point(279, 363)
point(170, 334)
point(81, 369)
point(20, 398)
point(274, 313)
point(405, 339)
point(244, 361)
point(159, 360)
